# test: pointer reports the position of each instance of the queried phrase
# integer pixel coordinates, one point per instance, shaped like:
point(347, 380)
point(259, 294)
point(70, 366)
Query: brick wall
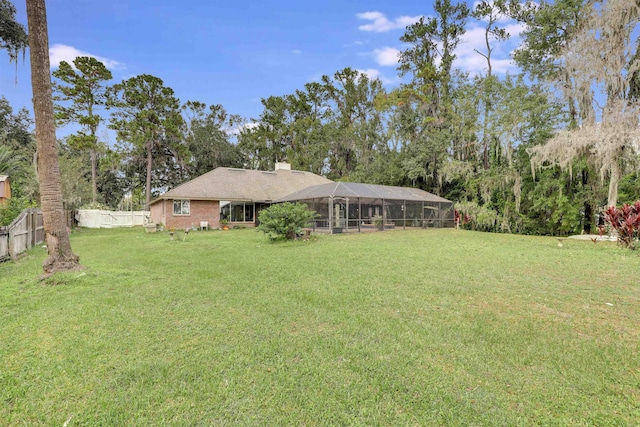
point(200, 210)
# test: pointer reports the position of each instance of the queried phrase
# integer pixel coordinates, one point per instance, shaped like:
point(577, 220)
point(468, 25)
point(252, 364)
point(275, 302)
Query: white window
point(181, 207)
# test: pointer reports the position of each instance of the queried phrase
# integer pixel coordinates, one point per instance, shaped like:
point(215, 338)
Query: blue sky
point(234, 53)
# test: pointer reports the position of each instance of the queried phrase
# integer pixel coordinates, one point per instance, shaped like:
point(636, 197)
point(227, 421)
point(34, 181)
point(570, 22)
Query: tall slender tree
point(148, 118)
point(60, 257)
point(490, 13)
point(428, 59)
point(83, 87)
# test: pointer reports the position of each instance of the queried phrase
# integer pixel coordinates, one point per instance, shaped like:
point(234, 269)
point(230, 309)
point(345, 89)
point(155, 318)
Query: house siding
point(157, 212)
point(5, 190)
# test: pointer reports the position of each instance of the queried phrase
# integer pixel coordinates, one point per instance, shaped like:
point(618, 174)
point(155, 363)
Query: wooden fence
point(26, 231)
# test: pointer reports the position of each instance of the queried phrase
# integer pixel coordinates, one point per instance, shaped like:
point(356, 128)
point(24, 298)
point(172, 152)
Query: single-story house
point(238, 195)
point(5, 188)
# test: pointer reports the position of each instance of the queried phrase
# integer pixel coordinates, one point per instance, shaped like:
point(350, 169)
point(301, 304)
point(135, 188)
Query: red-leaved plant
point(459, 218)
point(626, 221)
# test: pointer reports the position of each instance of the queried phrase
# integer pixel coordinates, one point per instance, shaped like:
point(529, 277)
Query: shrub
point(96, 206)
point(476, 217)
point(285, 220)
point(378, 221)
point(626, 222)
point(12, 208)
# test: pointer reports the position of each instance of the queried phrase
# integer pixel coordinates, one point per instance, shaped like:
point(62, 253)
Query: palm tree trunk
point(60, 257)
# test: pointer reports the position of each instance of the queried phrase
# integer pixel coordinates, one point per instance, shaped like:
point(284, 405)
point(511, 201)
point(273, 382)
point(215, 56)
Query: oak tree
point(599, 61)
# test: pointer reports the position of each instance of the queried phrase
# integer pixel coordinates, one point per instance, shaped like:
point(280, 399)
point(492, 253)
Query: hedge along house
point(236, 195)
point(5, 189)
point(349, 207)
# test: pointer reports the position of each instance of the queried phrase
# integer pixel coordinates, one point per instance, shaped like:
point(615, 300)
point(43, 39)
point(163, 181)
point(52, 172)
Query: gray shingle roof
point(244, 184)
point(369, 191)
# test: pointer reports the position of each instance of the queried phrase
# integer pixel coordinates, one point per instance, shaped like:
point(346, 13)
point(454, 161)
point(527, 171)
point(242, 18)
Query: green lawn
point(428, 327)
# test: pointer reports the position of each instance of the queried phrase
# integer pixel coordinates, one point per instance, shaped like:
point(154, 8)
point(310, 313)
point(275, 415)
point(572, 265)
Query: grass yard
point(427, 327)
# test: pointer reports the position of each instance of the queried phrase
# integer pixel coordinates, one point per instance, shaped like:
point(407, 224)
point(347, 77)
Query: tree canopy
point(81, 91)
point(538, 151)
point(147, 117)
point(13, 35)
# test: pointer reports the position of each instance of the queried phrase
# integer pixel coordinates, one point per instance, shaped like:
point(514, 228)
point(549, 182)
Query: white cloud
point(514, 29)
point(61, 52)
point(355, 43)
point(373, 74)
point(236, 130)
point(381, 24)
point(468, 58)
point(386, 56)
point(296, 51)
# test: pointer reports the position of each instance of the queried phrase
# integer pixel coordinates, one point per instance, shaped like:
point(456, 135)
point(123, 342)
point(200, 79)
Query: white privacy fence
point(93, 218)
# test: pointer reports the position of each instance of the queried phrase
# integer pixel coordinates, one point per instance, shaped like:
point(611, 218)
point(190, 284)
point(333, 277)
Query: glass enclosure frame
point(358, 214)
point(238, 211)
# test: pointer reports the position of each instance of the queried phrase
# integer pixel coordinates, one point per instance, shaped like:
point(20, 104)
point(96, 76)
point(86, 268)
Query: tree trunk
point(485, 129)
point(613, 185)
point(94, 174)
point(485, 95)
point(588, 205)
point(93, 154)
point(147, 187)
point(60, 257)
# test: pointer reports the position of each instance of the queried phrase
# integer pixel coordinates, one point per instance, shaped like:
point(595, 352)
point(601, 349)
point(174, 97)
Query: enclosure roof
point(244, 184)
point(354, 190)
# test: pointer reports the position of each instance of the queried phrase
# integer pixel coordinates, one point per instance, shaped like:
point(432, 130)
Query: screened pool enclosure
point(353, 207)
